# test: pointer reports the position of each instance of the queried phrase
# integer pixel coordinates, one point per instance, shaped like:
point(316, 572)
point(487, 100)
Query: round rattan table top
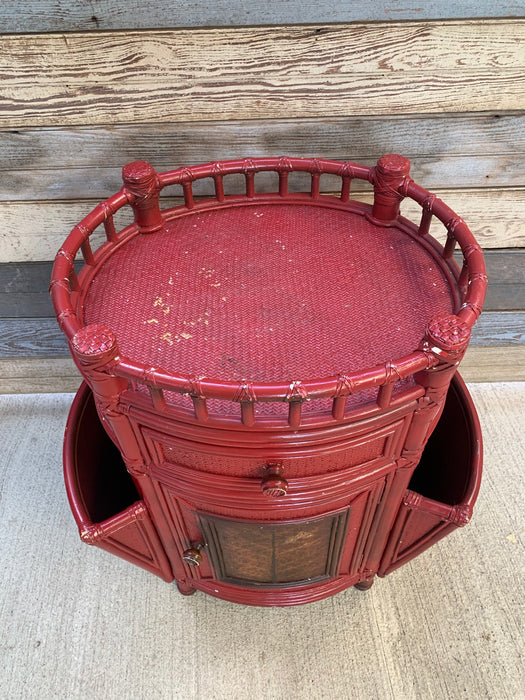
point(270, 292)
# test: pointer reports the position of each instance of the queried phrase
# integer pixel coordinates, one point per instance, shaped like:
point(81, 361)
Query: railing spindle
point(200, 408)
point(157, 397)
point(463, 278)
point(424, 225)
point(339, 407)
point(345, 188)
point(384, 395)
point(188, 195)
point(87, 252)
point(294, 414)
point(283, 183)
point(314, 190)
point(450, 246)
point(250, 184)
point(109, 227)
point(219, 187)
point(247, 413)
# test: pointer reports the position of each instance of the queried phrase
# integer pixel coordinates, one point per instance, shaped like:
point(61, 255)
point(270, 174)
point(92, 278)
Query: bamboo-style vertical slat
point(109, 227)
point(219, 187)
point(188, 195)
point(463, 277)
point(250, 184)
point(294, 414)
point(314, 189)
point(345, 188)
point(247, 413)
point(384, 395)
point(283, 183)
point(200, 408)
point(339, 407)
point(424, 225)
point(87, 253)
point(157, 397)
point(450, 246)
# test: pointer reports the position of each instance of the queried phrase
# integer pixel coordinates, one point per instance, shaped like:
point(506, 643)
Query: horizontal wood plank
point(499, 329)
point(266, 72)
point(494, 364)
point(170, 145)
point(428, 171)
point(36, 375)
point(75, 15)
point(22, 305)
point(41, 337)
point(34, 231)
point(506, 272)
point(32, 337)
point(455, 151)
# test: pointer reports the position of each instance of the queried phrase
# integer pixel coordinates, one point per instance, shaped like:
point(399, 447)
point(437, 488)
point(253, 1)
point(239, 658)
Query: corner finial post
point(142, 187)
point(389, 174)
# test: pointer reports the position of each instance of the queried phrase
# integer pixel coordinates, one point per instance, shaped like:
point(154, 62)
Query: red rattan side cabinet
point(264, 368)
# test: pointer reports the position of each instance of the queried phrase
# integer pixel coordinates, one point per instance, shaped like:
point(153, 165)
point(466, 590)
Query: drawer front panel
point(297, 460)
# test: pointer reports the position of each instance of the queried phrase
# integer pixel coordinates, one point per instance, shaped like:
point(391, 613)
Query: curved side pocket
point(103, 498)
point(445, 484)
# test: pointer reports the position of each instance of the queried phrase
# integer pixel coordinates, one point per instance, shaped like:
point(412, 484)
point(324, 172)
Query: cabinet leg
point(185, 588)
point(365, 584)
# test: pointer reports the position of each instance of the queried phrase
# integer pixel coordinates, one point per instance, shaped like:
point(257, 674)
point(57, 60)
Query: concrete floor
point(78, 623)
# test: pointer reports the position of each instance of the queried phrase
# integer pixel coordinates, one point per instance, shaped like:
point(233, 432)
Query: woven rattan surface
point(269, 292)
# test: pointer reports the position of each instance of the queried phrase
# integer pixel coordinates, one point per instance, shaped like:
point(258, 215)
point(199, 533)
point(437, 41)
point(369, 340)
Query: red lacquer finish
point(270, 366)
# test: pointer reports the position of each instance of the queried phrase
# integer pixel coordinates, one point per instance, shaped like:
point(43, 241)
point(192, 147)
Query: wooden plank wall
point(88, 86)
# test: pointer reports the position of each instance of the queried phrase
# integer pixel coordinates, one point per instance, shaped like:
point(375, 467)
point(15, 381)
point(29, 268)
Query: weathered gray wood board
point(494, 364)
point(467, 151)
point(31, 337)
point(74, 15)
point(168, 145)
point(34, 231)
point(270, 72)
point(29, 375)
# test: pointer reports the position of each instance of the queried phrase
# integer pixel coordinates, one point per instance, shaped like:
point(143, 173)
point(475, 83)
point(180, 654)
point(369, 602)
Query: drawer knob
point(273, 483)
point(193, 555)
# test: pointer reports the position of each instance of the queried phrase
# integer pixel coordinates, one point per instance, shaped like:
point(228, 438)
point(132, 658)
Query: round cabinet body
point(269, 364)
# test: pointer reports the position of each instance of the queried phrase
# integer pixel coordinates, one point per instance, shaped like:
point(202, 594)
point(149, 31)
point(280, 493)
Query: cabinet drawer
point(300, 459)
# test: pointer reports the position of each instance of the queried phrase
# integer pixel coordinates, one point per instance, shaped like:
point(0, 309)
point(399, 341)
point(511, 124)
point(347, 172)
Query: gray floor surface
point(76, 622)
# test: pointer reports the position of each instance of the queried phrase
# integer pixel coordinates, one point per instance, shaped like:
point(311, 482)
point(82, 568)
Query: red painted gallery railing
point(96, 347)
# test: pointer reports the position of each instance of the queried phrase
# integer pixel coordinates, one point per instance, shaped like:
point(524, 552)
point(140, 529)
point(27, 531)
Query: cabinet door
point(221, 548)
point(274, 554)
